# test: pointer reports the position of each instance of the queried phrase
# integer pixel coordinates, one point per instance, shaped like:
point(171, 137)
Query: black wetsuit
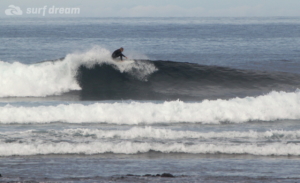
point(117, 54)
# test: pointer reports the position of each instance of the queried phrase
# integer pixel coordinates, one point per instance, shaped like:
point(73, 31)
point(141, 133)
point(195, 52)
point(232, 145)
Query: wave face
point(95, 76)
point(174, 80)
point(184, 81)
point(270, 107)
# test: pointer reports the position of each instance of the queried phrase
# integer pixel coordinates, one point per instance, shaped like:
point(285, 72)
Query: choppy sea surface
point(203, 99)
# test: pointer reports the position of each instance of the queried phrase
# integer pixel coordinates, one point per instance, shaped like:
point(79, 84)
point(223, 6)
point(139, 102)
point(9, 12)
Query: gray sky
point(162, 8)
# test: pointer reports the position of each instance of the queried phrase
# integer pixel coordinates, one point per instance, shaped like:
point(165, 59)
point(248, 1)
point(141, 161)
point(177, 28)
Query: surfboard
point(126, 61)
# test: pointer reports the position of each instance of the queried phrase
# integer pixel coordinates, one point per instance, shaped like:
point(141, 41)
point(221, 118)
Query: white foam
point(54, 78)
point(39, 147)
point(270, 107)
point(149, 132)
point(158, 133)
point(144, 139)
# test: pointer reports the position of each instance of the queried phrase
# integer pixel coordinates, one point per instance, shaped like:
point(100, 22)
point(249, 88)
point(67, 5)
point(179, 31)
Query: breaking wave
point(93, 75)
point(59, 76)
point(269, 107)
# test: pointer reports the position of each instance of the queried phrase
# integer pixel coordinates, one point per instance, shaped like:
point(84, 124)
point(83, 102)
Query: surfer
point(118, 53)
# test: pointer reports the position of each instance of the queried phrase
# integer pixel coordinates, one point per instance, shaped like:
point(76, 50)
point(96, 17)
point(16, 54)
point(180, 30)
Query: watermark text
point(43, 11)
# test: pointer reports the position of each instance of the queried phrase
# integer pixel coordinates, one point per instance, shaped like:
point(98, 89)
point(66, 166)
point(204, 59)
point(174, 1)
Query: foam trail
point(270, 107)
point(37, 147)
point(156, 133)
point(56, 77)
point(150, 133)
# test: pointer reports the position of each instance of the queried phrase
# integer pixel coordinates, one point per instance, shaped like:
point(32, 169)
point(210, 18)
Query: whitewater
point(145, 139)
point(269, 107)
point(37, 148)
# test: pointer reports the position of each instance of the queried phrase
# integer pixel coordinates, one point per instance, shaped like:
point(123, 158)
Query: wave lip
point(270, 107)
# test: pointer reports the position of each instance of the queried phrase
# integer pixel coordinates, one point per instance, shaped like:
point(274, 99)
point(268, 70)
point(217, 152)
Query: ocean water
point(204, 99)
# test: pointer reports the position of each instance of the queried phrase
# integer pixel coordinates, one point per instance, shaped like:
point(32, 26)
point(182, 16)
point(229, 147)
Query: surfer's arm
point(122, 55)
